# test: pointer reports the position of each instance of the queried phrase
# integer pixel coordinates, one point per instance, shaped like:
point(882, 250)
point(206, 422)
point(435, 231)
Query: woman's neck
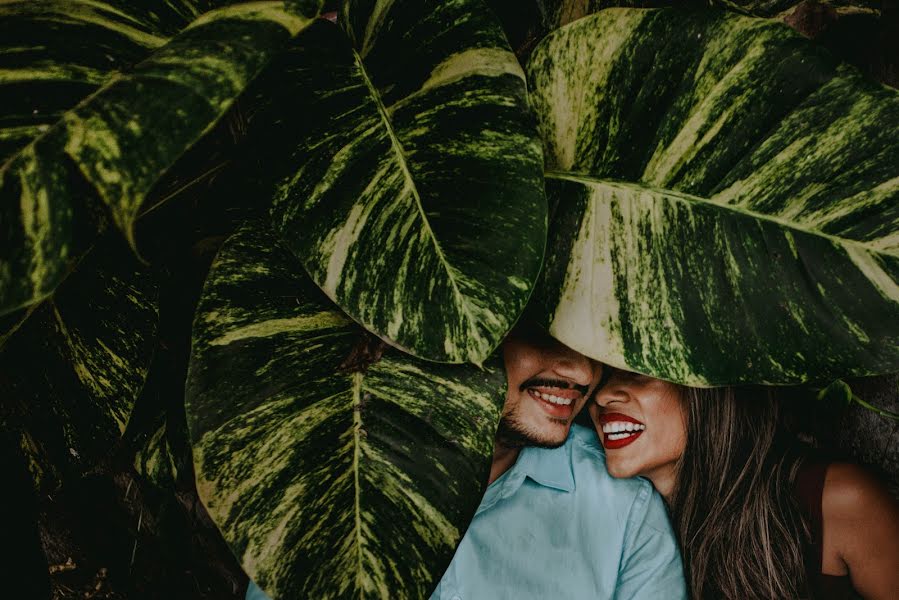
point(663, 480)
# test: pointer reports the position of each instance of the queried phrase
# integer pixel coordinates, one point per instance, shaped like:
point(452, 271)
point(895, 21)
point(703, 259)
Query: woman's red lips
point(619, 430)
point(615, 444)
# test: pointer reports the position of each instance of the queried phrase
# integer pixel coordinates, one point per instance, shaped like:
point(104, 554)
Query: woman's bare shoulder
point(861, 531)
point(850, 491)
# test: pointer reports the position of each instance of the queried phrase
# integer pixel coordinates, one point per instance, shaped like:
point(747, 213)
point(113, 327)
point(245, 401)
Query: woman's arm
point(861, 531)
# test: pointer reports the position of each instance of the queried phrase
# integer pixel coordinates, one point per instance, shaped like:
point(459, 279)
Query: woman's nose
point(611, 391)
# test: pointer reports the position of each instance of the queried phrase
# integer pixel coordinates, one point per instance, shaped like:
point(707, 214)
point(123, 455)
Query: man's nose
point(573, 365)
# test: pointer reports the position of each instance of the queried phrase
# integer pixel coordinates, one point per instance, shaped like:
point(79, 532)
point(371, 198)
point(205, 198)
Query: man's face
point(548, 385)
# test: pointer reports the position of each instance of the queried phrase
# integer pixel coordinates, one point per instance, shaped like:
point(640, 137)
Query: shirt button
point(456, 598)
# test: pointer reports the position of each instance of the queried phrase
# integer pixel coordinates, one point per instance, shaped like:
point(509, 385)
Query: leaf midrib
point(401, 160)
point(357, 508)
point(690, 198)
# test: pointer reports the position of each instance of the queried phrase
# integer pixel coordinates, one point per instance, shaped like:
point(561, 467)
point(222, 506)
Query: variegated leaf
point(73, 370)
point(409, 174)
point(772, 8)
point(556, 13)
point(154, 461)
point(327, 480)
point(526, 22)
point(727, 200)
point(80, 142)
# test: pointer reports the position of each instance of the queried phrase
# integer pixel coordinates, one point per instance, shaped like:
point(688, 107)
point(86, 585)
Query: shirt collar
point(549, 467)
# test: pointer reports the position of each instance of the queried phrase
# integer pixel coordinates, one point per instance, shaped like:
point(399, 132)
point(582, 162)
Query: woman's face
point(642, 425)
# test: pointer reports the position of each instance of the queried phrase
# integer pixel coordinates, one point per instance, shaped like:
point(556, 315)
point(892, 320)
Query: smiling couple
point(566, 517)
point(554, 524)
point(757, 515)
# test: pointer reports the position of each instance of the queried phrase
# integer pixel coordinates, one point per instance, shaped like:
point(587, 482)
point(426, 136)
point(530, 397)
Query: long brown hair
point(738, 522)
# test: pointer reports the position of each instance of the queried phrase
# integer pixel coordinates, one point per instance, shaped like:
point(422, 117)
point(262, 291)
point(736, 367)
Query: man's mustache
point(558, 383)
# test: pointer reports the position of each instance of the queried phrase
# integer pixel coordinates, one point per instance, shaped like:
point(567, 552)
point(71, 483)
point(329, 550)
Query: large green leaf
point(842, 25)
point(771, 8)
point(328, 481)
point(68, 165)
point(556, 13)
point(725, 200)
point(526, 22)
point(72, 372)
point(409, 173)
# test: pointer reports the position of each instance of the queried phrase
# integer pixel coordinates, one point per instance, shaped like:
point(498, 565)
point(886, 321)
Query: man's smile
point(557, 398)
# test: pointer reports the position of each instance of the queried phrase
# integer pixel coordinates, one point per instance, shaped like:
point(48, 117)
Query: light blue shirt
point(254, 593)
point(557, 526)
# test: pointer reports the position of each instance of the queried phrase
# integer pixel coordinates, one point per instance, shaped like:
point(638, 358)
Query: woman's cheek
point(593, 409)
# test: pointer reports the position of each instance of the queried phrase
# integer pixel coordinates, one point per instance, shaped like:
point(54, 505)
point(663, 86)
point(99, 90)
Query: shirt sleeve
point(651, 565)
point(254, 593)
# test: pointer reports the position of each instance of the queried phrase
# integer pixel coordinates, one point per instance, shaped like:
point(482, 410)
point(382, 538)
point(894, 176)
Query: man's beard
point(511, 433)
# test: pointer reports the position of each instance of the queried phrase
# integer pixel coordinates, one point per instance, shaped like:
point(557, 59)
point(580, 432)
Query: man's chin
point(513, 434)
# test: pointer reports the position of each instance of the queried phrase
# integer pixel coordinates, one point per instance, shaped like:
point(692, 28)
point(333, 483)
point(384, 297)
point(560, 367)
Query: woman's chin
point(619, 471)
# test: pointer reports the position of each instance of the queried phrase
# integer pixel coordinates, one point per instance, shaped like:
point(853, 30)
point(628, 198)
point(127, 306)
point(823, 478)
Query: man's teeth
point(554, 399)
point(622, 426)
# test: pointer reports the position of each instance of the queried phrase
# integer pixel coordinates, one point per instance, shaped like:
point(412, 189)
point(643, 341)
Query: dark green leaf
point(526, 22)
point(726, 200)
point(773, 8)
point(414, 197)
point(326, 480)
point(73, 370)
point(154, 459)
point(104, 155)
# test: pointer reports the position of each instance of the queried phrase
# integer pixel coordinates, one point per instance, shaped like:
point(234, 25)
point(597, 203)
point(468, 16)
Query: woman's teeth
point(553, 399)
point(622, 426)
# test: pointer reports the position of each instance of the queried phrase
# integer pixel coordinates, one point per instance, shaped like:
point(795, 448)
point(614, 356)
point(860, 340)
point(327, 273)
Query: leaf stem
point(880, 411)
point(196, 180)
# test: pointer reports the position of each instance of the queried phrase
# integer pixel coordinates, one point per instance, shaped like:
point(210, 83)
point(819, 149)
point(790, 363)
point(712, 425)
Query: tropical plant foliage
point(75, 366)
point(117, 141)
point(413, 148)
point(690, 181)
point(329, 477)
point(83, 145)
point(712, 198)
